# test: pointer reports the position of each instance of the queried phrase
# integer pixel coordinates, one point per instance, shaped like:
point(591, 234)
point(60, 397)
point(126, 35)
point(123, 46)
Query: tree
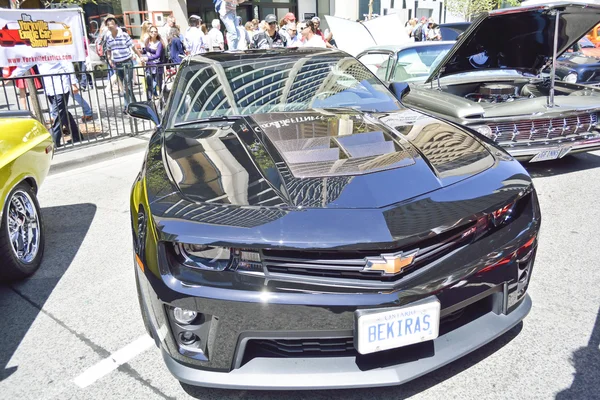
point(470, 8)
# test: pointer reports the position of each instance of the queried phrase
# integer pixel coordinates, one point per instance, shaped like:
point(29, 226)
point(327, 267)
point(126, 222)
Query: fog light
point(187, 338)
point(184, 316)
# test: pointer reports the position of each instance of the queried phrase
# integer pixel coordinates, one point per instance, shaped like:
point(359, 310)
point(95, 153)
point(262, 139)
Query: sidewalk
point(70, 158)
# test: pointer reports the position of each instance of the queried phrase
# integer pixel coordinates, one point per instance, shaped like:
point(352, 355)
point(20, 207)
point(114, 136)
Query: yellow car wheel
point(21, 234)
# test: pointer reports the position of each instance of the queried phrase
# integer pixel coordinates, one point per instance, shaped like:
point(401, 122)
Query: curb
point(79, 157)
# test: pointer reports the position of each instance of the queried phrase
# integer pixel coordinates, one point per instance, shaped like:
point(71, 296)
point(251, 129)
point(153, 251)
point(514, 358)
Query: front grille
point(344, 346)
point(293, 265)
point(543, 129)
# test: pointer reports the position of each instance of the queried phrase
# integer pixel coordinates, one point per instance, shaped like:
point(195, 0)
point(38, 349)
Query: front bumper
point(344, 372)
point(526, 151)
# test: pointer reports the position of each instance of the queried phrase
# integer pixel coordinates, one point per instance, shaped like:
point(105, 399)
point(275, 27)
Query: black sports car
point(296, 227)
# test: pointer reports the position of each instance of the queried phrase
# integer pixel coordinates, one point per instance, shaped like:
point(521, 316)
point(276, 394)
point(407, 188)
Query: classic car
point(292, 219)
point(26, 150)
point(579, 68)
point(586, 47)
point(60, 34)
point(409, 62)
point(493, 83)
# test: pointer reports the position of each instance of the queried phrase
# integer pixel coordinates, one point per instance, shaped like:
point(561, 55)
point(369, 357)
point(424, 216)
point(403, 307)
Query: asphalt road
point(64, 331)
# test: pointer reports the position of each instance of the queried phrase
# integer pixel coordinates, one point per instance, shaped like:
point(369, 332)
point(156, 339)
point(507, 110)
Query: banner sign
point(39, 36)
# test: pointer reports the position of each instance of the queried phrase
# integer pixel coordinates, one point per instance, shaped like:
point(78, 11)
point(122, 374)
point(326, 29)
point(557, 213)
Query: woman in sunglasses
point(155, 55)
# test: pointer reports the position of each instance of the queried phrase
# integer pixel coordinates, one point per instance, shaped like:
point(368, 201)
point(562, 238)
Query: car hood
point(355, 36)
point(321, 159)
point(518, 38)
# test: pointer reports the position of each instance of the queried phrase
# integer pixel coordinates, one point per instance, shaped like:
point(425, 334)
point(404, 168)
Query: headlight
point(484, 130)
point(66, 34)
point(204, 257)
point(571, 78)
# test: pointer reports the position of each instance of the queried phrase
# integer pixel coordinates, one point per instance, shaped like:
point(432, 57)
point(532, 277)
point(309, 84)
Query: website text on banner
point(38, 36)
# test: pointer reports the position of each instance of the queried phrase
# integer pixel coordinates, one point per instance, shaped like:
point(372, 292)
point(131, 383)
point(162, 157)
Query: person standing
point(309, 35)
point(120, 53)
point(269, 38)
point(216, 36)
point(195, 42)
point(419, 32)
point(226, 10)
point(295, 38)
point(244, 37)
point(155, 55)
point(166, 28)
point(176, 50)
point(58, 88)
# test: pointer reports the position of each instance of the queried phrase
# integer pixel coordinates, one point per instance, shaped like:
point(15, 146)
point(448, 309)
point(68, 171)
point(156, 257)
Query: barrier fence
point(97, 108)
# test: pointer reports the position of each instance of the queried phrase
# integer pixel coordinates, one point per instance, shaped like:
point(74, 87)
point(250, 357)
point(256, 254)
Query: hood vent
point(320, 144)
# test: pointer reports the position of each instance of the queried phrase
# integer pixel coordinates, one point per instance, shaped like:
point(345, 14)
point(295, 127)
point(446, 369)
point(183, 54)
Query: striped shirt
point(119, 46)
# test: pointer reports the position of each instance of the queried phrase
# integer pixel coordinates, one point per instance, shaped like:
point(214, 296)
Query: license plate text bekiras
point(384, 329)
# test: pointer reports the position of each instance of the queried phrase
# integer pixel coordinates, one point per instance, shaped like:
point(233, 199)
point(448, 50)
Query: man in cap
point(269, 38)
point(226, 10)
point(195, 41)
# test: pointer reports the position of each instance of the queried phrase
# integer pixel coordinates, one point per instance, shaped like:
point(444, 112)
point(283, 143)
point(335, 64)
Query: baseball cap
point(270, 18)
point(290, 16)
point(316, 19)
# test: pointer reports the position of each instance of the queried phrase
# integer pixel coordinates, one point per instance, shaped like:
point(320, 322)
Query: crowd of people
point(423, 29)
point(157, 49)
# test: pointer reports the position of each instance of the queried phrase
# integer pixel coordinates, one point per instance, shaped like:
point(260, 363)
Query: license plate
point(545, 155)
point(385, 329)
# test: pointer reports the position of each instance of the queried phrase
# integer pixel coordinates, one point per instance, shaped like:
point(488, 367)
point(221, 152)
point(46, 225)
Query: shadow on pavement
point(571, 163)
point(586, 360)
point(396, 392)
point(21, 302)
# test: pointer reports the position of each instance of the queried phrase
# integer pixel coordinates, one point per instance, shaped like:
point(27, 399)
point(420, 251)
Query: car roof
point(224, 56)
point(407, 45)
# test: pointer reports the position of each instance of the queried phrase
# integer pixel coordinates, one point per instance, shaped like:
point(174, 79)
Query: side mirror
point(399, 89)
point(143, 110)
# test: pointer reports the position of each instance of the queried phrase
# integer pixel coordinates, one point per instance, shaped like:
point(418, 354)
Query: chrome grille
point(349, 265)
point(543, 129)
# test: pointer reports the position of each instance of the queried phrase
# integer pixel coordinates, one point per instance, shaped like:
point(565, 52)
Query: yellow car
point(26, 149)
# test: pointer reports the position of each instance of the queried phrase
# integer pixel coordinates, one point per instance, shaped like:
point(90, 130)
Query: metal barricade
point(97, 107)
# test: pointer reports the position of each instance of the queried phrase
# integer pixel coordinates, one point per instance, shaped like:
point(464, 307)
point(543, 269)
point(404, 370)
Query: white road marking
point(113, 362)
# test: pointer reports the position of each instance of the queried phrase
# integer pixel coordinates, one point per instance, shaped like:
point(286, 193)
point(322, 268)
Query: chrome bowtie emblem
point(390, 264)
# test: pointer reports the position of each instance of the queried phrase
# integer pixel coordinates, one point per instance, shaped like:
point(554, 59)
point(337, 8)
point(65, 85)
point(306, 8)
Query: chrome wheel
point(23, 226)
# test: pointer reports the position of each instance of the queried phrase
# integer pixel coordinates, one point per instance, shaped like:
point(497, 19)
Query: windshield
point(418, 62)
point(277, 82)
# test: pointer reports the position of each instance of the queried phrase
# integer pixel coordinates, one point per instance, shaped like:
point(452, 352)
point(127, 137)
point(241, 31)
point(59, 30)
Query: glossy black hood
point(518, 38)
point(320, 159)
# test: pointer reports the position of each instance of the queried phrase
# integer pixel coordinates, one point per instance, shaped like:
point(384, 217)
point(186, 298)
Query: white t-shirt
point(194, 41)
point(315, 41)
point(216, 38)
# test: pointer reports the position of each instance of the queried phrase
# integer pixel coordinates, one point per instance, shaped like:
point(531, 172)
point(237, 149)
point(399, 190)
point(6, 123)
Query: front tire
point(22, 234)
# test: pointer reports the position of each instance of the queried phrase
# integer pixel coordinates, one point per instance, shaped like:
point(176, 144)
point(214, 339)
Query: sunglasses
point(272, 23)
point(303, 27)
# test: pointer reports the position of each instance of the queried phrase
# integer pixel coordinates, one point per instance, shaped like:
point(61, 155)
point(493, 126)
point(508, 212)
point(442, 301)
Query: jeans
point(87, 110)
point(124, 72)
point(59, 103)
point(85, 78)
point(153, 81)
point(232, 33)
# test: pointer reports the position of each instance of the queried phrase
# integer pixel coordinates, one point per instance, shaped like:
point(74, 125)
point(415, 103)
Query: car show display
point(493, 83)
point(293, 219)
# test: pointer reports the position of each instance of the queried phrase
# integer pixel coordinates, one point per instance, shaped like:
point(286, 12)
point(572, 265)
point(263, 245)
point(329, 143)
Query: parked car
point(492, 83)
point(410, 62)
point(451, 30)
point(26, 149)
point(579, 68)
point(586, 47)
point(293, 220)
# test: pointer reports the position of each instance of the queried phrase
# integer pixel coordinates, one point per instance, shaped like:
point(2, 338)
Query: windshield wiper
point(209, 119)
